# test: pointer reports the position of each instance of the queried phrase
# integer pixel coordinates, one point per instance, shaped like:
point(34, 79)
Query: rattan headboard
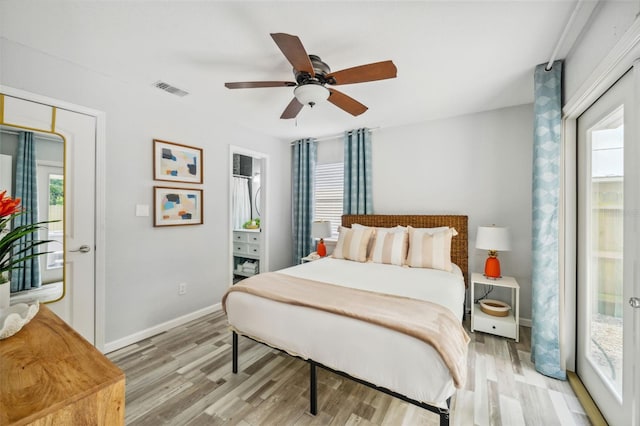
point(459, 243)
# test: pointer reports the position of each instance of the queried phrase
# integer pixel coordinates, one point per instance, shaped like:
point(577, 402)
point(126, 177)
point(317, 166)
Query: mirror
point(40, 167)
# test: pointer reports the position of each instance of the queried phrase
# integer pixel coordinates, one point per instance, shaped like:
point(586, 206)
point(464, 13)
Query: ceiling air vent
point(169, 88)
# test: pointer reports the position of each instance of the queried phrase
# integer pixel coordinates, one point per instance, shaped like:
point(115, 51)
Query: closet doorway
point(608, 336)
point(247, 213)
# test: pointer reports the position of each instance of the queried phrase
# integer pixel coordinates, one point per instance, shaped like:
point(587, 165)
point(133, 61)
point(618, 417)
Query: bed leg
point(313, 389)
point(234, 338)
point(444, 414)
point(444, 419)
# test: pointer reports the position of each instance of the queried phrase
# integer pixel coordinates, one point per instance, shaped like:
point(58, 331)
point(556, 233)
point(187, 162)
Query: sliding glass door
point(608, 238)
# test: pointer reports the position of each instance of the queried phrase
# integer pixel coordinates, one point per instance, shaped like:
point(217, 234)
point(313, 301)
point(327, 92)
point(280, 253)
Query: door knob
point(82, 249)
point(634, 302)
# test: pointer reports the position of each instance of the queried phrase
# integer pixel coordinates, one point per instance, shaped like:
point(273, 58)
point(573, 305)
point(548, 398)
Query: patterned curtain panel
point(545, 339)
point(303, 171)
point(28, 276)
point(358, 194)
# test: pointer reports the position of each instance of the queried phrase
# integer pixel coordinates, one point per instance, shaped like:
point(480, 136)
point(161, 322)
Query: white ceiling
point(452, 57)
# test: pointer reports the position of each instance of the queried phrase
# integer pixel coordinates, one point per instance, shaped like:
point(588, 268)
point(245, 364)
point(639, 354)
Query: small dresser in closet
point(246, 252)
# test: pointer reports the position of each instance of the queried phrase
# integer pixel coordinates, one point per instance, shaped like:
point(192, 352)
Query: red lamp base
point(322, 249)
point(492, 267)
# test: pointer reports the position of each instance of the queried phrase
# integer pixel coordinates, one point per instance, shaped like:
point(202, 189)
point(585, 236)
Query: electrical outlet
point(182, 288)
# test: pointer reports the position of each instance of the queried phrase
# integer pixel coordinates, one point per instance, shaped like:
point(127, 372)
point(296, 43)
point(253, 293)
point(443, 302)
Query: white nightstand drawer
point(501, 326)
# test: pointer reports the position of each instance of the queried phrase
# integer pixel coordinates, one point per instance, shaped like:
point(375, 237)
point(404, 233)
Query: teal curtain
point(545, 277)
point(28, 274)
point(358, 195)
point(303, 172)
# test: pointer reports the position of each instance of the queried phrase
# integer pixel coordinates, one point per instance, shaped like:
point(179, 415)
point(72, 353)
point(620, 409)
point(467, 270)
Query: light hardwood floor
point(183, 377)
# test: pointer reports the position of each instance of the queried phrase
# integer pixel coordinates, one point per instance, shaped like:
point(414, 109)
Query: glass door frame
point(620, 59)
point(598, 364)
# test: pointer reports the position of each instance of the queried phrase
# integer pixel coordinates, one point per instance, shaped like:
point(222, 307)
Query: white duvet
point(378, 355)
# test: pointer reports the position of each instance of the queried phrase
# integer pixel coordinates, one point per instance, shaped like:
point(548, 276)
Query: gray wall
point(477, 165)
point(144, 264)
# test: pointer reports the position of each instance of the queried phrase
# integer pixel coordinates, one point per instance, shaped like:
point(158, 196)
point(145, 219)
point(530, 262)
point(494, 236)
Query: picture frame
point(177, 206)
point(174, 162)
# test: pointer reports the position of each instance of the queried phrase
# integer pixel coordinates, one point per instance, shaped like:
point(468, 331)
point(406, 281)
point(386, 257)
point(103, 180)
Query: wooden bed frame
point(459, 256)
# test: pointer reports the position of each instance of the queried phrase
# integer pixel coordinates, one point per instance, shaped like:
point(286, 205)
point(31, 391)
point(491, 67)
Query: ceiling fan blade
point(257, 84)
point(345, 102)
point(370, 72)
point(292, 110)
point(294, 51)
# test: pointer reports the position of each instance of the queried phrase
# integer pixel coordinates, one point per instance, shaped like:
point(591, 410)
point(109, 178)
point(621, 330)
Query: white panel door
point(78, 306)
point(608, 239)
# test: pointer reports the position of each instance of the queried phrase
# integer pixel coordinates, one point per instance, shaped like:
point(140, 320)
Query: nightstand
point(508, 326)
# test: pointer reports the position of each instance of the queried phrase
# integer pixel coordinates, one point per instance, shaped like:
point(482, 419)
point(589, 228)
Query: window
point(55, 230)
point(329, 190)
point(51, 208)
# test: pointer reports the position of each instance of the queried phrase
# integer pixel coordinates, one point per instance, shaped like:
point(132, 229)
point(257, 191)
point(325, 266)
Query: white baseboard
point(160, 328)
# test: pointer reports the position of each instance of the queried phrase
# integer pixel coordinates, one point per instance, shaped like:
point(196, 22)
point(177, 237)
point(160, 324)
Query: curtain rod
point(563, 35)
point(338, 135)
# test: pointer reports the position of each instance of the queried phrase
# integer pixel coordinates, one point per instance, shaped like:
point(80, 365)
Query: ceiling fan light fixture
point(311, 94)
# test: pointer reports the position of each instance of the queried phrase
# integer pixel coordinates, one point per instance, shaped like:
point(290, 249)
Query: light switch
point(142, 210)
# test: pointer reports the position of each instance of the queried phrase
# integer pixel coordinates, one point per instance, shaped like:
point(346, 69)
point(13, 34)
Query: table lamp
point(321, 229)
point(494, 239)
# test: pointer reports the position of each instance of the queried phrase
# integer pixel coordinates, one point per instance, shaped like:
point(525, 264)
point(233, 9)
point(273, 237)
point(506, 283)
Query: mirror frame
point(64, 168)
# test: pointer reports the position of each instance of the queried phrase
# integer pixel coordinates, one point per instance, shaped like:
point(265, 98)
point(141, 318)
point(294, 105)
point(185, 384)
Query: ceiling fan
point(313, 75)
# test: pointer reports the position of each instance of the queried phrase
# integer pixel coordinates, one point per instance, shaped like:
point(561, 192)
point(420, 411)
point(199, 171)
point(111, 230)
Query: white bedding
point(378, 355)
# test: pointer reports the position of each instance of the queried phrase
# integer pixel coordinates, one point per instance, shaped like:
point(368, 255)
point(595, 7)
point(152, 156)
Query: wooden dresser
point(50, 375)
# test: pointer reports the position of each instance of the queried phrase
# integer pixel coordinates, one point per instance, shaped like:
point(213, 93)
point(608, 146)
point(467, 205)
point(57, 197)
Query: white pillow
point(390, 246)
point(430, 249)
point(397, 228)
point(433, 230)
point(352, 244)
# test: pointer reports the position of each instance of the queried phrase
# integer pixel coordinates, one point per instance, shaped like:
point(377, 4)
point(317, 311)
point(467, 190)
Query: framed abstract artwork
point(176, 163)
point(177, 206)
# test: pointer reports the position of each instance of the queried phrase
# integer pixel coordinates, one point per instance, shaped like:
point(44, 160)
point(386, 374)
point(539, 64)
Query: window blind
point(329, 189)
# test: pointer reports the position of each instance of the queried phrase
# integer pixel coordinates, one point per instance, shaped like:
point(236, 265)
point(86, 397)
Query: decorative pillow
point(432, 230)
point(389, 246)
point(397, 228)
point(429, 249)
point(352, 244)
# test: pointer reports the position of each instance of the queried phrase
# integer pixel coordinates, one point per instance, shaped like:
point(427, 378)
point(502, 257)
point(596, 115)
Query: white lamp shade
point(311, 94)
point(321, 229)
point(493, 238)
